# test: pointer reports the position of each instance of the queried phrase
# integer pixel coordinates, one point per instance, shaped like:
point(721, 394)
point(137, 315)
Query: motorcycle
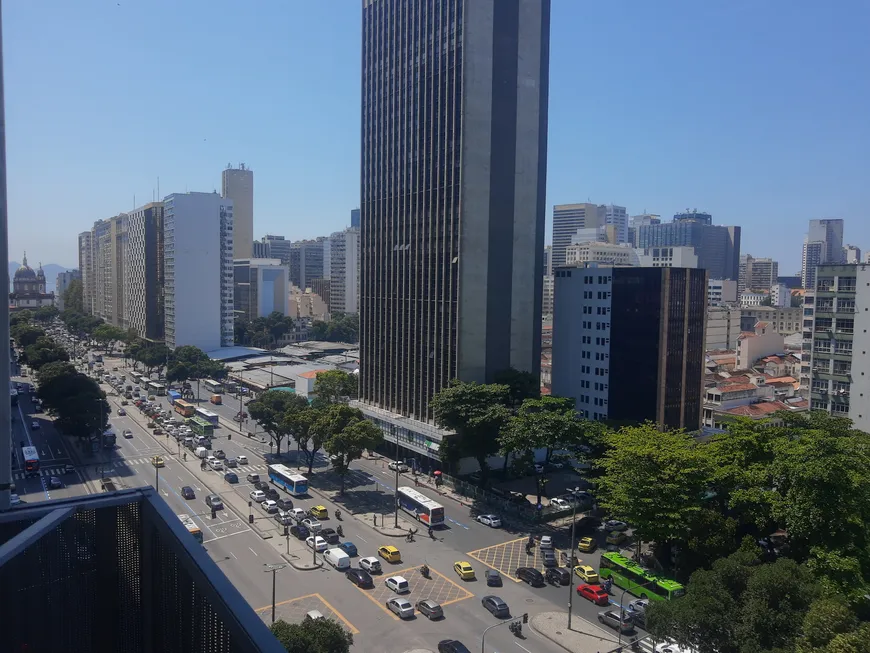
point(338, 515)
point(339, 531)
point(424, 571)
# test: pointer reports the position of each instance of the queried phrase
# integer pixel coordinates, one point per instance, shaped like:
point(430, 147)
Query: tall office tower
point(823, 244)
point(717, 247)
point(840, 342)
point(198, 270)
point(628, 343)
point(143, 283)
point(279, 248)
point(636, 221)
point(354, 218)
point(852, 254)
point(343, 271)
point(694, 216)
point(88, 272)
point(548, 259)
point(260, 288)
point(616, 216)
point(110, 255)
point(567, 219)
point(237, 184)
point(454, 145)
point(64, 279)
point(262, 249)
point(306, 261)
point(757, 274)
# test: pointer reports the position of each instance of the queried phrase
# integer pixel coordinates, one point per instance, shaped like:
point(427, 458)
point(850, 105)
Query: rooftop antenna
point(158, 187)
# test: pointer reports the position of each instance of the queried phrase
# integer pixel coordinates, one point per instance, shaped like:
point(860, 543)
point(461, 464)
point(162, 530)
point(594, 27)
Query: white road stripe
point(254, 552)
point(220, 537)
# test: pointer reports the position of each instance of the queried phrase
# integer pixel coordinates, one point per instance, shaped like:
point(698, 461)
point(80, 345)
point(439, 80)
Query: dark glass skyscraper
point(454, 150)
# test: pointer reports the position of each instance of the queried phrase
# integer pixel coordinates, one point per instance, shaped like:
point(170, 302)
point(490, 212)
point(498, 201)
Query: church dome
point(25, 272)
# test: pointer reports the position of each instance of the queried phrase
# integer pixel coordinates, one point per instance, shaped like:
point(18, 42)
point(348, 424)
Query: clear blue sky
point(754, 110)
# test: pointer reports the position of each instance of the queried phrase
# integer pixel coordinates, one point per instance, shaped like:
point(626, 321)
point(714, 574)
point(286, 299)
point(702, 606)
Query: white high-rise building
point(852, 254)
point(86, 267)
point(198, 270)
point(342, 267)
point(64, 279)
point(823, 244)
point(617, 216)
point(237, 184)
point(567, 219)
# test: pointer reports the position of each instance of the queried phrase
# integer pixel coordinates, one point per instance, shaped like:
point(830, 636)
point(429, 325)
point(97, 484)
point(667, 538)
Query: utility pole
point(571, 554)
point(396, 438)
point(273, 569)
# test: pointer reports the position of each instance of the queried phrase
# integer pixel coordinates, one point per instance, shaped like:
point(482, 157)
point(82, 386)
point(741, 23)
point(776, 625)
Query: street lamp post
point(571, 553)
point(622, 609)
point(156, 477)
point(273, 569)
point(396, 438)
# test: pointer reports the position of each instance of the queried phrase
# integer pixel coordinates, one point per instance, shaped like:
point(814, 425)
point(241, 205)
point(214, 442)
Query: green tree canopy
point(75, 399)
point(270, 411)
point(313, 636)
point(73, 296)
point(26, 334)
point(44, 351)
point(334, 386)
point(341, 328)
point(46, 313)
point(523, 385)
point(20, 316)
point(346, 435)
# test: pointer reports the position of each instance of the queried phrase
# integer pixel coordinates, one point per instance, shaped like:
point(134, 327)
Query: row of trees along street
point(768, 523)
point(266, 331)
point(328, 422)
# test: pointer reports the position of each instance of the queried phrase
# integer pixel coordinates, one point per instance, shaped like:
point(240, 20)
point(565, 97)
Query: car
point(587, 573)
point(243, 460)
point(638, 605)
point(124, 402)
point(188, 493)
point(14, 500)
point(493, 521)
point(232, 477)
point(320, 512)
point(220, 454)
point(390, 553)
point(587, 544)
point(546, 542)
point(217, 465)
point(398, 584)
point(252, 478)
point(69, 469)
point(317, 543)
point(531, 576)
point(548, 557)
point(231, 462)
point(615, 525)
point(401, 607)
point(158, 431)
point(539, 468)
point(258, 496)
point(349, 548)
point(359, 577)
point(557, 576)
point(312, 524)
point(283, 518)
point(329, 535)
point(214, 502)
point(430, 609)
point(616, 537)
point(272, 493)
point(54, 483)
point(262, 486)
point(122, 412)
point(464, 570)
point(493, 578)
point(34, 424)
point(157, 461)
point(496, 606)
point(398, 466)
point(613, 619)
point(560, 504)
point(594, 593)
point(299, 531)
point(284, 504)
point(452, 646)
point(297, 513)
point(670, 646)
point(370, 564)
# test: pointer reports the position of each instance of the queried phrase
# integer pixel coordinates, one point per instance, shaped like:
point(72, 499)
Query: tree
point(827, 618)
point(73, 296)
point(46, 313)
point(189, 362)
point(299, 423)
point(477, 413)
point(151, 354)
point(270, 411)
point(523, 385)
point(334, 386)
point(44, 351)
point(26, 334)
point(655, 480)
point(349, 434)
point(341, 328)
point(19, 317)
point(74, 398)
point(107, 335)
point(312, 636)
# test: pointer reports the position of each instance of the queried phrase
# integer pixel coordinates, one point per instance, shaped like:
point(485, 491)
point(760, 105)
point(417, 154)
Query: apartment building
point(343, 271)
point(143, 279)
point(88, 271)
point(260, 288)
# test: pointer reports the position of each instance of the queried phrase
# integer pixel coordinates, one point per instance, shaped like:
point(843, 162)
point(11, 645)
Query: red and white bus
point(30, 461)
point(420, 506)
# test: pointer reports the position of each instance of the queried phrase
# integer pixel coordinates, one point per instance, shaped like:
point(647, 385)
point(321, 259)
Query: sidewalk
point(582, 638)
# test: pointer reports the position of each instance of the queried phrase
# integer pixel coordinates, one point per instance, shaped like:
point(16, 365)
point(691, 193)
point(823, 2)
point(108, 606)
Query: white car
point(560, 503)
point(370, 564)
point(243, 460)
point(493, 521)
point(401, 607)
point(615, 525)
point(312, 524)
point(269, 506)
point(398, 584)
point(546, 542)
point(297, 514)
point(128, 433)
point(217, 465)
point(317, 543)
point(34, 424)
point(258, 495)
point(393, 466)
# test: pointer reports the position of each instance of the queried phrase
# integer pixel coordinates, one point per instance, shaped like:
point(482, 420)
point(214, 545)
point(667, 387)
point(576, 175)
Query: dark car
point(220, 454)
point(349, 548)
point(430, 609)
point(299, 531)
point(272, 493)
point(253, 478)
point(329, 535)
point(493, 578)
point(55, 483)
point(452, 646)
point(188, 493)
point(587, 525)
point(531, 576)
point(261, 485)
point(231, 462)
point(231, 477)
point(284, 504)
point(214, 502)
point(68, 469)
point(558, 576)
point(359, 577)
point(496, 606)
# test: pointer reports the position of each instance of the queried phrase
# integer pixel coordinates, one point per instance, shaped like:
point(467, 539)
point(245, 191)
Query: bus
point(199, 426)
point(295, 484)
point(185, 408)
point(207, 415)
point(633, 578)
point(191, 527)
point(422, 507)
point(174, 395)
point(30, 460)
point(213, 387)
point(157, 389)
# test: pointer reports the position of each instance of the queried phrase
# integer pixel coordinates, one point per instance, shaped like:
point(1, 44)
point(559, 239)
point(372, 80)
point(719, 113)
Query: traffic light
point(525, 617)
point(229, 436)
point(286, 530)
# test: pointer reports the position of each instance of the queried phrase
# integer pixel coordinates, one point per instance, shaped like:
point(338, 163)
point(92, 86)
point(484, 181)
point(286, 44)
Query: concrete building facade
point(61, 284)
point(237, 185)
point(723, 327)
point(717, 247)
point(88, 271)
point(306, 261)
point(260, 288)
point(721, 291)
point(567, 219)
point(823, 245)
point(343, 271)
point(667, 257)
point(143, 280)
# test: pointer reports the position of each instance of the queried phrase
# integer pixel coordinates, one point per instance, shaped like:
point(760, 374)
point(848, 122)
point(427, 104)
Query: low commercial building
point(721, 291)
point(761, 341)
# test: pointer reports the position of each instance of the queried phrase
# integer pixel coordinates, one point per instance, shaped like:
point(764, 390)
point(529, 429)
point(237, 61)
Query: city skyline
point(748, 140)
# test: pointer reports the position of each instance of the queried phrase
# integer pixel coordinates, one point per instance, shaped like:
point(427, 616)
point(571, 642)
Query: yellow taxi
point(320, 512)
point(587, 573)
point(157, 461)
point(464, 570)
point(587, 544)
point(615, 537)
point(390, 554)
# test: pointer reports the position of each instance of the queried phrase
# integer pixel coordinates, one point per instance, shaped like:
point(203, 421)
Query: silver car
point(401, 607)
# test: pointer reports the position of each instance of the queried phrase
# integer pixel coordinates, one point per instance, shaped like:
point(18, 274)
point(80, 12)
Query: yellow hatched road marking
point(338, 614)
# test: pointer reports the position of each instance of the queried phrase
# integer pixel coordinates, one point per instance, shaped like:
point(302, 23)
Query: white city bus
point(191, 527)
point(420, 506)
point(214, 387)
point(30, 461)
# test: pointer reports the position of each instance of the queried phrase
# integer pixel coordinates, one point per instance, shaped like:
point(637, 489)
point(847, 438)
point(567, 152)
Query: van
point(188, 442)
point(216, 400)
point(337, 558)
point(314, 614)
point(201, 452)
point(202, 440)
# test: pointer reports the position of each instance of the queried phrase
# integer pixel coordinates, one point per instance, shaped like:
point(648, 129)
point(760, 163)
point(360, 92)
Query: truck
point(174, 395)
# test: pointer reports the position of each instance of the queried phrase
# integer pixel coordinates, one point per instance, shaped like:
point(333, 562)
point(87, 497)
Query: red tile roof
point(738, 387)
point(312, 374)
point(761, 409)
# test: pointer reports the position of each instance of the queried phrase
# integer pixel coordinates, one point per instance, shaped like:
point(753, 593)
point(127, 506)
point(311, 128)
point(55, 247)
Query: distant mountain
point(51, 271)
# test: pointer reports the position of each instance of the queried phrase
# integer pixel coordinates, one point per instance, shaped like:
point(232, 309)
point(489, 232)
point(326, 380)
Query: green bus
point(199, 426)
point(641, 582)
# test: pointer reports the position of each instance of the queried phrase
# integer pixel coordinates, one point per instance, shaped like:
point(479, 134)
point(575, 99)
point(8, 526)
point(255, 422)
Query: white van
point(201, 452)
point(337, 558)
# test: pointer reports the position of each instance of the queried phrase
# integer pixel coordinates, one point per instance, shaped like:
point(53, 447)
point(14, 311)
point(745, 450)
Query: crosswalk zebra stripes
point(125, 462)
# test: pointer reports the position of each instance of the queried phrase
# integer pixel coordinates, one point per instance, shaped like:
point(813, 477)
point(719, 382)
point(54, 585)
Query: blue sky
point(754, 110)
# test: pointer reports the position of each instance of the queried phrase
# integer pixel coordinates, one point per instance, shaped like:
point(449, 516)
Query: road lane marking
point(350, 626)
point(254, 552)
point(522, 647)
point(220, 537)
point(362, 538)
point(231, 553)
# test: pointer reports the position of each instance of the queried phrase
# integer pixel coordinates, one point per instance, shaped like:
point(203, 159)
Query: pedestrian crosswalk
point(106, 468)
